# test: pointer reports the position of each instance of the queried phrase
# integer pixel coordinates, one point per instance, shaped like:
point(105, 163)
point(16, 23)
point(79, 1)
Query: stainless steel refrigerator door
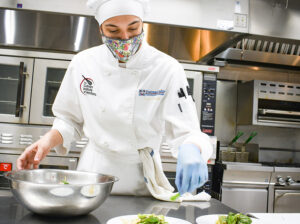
point(48, 75)
point(287, 201)
point(245, 199)
point(15, 87)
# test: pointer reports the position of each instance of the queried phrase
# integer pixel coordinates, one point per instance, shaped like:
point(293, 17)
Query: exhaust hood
point(262, 50)
point(274, 35)
point(37, 30)
point(72, 33)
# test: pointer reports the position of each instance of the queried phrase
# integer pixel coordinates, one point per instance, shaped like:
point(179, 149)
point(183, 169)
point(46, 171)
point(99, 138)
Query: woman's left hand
point(191, 170)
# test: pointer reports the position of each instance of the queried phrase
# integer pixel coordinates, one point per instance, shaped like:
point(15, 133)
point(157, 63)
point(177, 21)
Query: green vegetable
point(222, 220)
point(174, 197)
point(232, 218)
point(151, 219)
point(243, 219)
point(64, 181)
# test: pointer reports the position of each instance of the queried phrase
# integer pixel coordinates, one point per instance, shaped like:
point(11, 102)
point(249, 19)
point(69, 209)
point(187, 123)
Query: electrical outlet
point(240, 20)
point(225, 24)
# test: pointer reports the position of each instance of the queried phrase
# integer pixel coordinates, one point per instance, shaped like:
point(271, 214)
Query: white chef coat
point(122, 110)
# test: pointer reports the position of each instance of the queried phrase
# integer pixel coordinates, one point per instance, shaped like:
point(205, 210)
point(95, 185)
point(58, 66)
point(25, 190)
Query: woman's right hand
point(35, 153)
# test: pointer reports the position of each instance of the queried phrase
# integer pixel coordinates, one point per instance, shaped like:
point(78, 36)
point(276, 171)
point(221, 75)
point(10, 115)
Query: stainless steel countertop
point(11, 212)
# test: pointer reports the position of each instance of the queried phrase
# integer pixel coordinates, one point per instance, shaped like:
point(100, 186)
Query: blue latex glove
point(191, 170)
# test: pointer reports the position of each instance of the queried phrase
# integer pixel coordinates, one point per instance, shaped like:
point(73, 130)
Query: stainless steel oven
point(29, 82)
point(15, 88)
point(29, 85)
point(203, 86)
point(284, 191)
point(269, 103)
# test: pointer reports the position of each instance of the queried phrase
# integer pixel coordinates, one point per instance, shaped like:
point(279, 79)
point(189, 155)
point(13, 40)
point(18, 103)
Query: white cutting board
point(278, 218)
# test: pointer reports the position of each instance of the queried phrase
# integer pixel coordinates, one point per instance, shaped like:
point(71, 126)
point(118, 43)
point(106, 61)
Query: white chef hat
point(105, 9)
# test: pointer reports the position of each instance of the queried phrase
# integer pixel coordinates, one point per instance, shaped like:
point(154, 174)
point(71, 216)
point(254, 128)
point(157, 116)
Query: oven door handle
point(280, 112)
point(21, 91)
point(286, 194)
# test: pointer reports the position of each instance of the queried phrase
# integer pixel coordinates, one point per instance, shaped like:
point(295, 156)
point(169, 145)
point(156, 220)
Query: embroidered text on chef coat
point(145, 92)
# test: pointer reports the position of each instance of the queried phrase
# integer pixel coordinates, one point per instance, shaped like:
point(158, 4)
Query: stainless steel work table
point(11, 212)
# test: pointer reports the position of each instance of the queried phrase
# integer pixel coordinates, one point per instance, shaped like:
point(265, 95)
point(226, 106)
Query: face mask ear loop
point(101, 32)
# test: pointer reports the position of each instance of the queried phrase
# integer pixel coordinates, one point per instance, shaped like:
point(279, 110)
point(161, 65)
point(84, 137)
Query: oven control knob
point(289, 180)
point(280, 181)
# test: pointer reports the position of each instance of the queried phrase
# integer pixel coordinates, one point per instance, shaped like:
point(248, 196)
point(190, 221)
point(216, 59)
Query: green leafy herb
point(151, 219)
point(174, 197)
point(65, 181)
point(222, 220)
point(233, 218)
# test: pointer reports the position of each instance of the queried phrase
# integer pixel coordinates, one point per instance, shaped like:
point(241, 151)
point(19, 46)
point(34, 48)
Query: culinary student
point(125, 95)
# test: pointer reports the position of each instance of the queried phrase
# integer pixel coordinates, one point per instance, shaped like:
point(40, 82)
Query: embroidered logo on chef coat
point(87, 85)
point(145, 92)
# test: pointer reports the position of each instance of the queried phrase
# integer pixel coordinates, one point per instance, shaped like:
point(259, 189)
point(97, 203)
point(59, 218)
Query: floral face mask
point(123, 50)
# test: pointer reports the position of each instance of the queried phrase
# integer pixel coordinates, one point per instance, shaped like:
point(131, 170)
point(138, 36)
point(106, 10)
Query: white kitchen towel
point(158, 184)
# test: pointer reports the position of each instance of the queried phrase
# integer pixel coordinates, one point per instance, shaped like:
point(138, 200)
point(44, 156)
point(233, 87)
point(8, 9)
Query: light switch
point(240, 20)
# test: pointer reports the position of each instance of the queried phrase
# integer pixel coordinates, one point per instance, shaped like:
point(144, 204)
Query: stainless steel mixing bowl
point(60, 192)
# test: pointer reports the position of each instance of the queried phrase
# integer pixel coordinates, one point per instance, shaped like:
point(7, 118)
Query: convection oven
point(29, 82)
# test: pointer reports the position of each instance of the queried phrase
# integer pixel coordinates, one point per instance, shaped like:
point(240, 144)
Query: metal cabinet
point(245, 187)
point(15, 89)
point(245, 199)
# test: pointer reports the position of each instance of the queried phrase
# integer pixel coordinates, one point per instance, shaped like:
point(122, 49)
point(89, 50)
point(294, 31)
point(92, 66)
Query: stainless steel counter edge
point(287, 169)
point(248, 167)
